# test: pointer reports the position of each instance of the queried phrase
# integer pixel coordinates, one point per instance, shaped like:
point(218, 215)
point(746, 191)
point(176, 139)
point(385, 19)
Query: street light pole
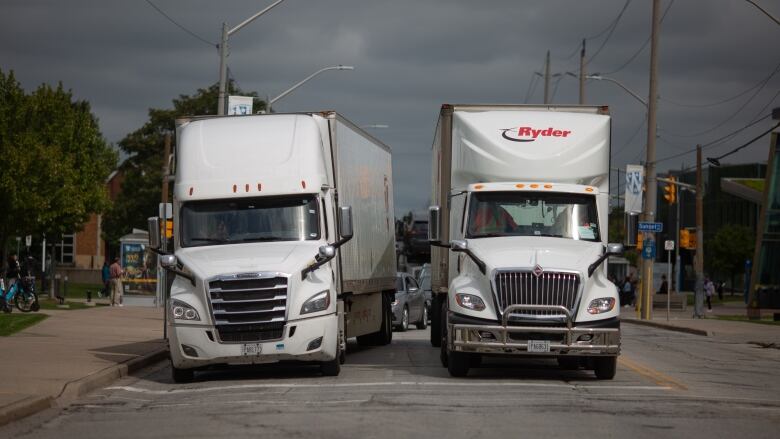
point(291, 89)
point(597, 77)
point(223, 53)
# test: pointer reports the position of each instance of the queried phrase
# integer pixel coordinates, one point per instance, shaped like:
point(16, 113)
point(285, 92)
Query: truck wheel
point(436, 322)
point(423, 323)
point(385, 334)
point(605, 367)
point(458, 363)
point(182, 375)
point(331, 368)
point(569, 363)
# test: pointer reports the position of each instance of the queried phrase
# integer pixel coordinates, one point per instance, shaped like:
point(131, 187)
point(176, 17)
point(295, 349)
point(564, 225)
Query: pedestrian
point(115, 272)
point(720, 290)
point(12, 273)
point(628, 292)
point(709, 291)
point(105, 274)
point(664, 285)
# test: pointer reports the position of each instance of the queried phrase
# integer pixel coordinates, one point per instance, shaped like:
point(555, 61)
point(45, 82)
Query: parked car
point(424, 281)
point(409, 303)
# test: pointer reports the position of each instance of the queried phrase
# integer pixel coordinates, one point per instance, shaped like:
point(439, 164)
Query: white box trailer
point(283, 241)
point(519, 228)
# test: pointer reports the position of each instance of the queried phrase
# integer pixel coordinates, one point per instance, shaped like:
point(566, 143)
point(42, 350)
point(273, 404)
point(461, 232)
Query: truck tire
point(181, 376)
point(436, 321)
point(442, 334)
point(458, 363)
point(423, 323)
point(605, 367)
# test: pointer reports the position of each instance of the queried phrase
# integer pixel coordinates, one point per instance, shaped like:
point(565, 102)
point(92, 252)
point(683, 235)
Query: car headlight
point(317, 302)
point(601, 305)
point(182, 311)
point(470, 301)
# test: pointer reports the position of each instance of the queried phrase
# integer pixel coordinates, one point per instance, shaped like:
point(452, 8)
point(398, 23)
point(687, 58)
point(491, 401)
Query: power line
point(533, 82)
point(179, 25)
point(611, 31)
point(642, 47)
point(631, 138)
point(714, 104)
point(744, 145)
point(555, 89)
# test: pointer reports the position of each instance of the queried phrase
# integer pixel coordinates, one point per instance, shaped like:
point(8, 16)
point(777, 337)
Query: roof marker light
point(548, 186)
point(235, 188)
point(520, 185)
point(259, 187)
point(247, 187)
point(190, 190)
point(303, 184)
point(588, 189)
point(534, 186)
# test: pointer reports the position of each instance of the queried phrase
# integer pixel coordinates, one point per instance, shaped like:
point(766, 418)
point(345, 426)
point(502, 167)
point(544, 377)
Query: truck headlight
point(470, 301)
point(601, 305)
point(317, 302)
point(182, 311)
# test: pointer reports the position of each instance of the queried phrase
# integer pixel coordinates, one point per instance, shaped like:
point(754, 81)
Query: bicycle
point(22, 292)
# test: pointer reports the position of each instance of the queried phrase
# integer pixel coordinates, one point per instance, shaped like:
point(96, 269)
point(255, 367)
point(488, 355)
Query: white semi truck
point(265, 266)
point(519, 229)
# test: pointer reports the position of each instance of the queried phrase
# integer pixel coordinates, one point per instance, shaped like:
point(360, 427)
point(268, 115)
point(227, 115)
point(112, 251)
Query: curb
point(79, 387)
point(668, 327)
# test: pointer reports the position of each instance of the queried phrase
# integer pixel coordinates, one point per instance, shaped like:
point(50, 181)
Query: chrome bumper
point(513, 340)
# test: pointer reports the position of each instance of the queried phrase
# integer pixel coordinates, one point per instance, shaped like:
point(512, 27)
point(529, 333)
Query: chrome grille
point(525, 288)
point(248, 308)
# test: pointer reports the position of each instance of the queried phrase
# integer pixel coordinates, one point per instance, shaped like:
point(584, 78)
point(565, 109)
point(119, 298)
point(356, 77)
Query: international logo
point(529, 134)
point(538, 270)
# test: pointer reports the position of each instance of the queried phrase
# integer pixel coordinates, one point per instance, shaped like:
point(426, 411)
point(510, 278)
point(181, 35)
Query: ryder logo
point(529, 134)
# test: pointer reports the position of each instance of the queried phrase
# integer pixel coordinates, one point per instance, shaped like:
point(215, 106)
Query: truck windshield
point(533, 214)
point(216, 222)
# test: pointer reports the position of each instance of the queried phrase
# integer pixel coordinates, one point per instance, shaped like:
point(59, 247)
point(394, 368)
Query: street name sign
point(651, 227)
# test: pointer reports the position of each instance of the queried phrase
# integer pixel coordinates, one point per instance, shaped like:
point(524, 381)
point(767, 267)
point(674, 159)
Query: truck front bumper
point(195, 346)
point(600, 338)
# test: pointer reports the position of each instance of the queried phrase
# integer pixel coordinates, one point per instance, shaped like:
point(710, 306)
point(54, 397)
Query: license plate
point(252, 349)
point(538, 346)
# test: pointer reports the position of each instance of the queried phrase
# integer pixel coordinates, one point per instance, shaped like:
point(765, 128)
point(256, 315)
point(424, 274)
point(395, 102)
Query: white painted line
point(379, 384)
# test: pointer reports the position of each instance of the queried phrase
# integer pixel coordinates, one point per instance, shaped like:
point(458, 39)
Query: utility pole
point(651, 187)
point(547, 79)
point(677, 267)
point(582, 75)
point(699, 259)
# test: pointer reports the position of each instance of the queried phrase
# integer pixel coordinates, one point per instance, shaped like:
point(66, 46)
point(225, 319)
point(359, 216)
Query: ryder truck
point(264, 264)
point(519, 229)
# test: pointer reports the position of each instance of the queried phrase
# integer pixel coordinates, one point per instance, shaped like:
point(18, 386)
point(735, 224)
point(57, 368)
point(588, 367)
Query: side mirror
point(154, 232)
point(434, 224)
point(345, 222)
point(326, 252)
point(168, 261)
point(615, 249)
point(458, 245)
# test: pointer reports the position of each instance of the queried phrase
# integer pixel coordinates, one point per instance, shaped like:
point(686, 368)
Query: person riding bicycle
point(12, 273)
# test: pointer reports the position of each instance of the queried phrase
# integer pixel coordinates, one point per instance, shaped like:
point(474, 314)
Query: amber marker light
point(191, 191)
point(519, 185)
point(588, 189)
point(259, 187)
point(235, 188)
point(548, 186)
point(534, 186)
point(303, 184)
point(478, 187)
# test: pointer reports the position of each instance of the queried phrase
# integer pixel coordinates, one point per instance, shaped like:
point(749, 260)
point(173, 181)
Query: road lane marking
point(657, 377)
point(383, 384)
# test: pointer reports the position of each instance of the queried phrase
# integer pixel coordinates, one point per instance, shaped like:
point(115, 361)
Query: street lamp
point(223, 45)
point(290, 90)
point(616, 82)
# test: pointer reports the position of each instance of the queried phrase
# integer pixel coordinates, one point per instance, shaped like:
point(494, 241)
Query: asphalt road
point(668, 385)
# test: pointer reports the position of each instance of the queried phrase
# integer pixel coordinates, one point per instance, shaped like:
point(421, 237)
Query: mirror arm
point(178, 272)
point(320, 262)
point(479, 262)
point(592, 267)
point(439, 244)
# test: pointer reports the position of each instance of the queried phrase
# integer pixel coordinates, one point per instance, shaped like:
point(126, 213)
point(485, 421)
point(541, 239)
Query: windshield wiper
point(264, 238)
point(489, 235)
point(217, 240)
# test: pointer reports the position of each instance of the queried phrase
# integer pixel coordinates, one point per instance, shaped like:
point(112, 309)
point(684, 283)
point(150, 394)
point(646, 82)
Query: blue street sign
point(651, 227)
point(648, 249)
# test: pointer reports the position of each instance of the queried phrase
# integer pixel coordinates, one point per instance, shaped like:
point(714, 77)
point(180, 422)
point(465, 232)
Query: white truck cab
point(519, 229)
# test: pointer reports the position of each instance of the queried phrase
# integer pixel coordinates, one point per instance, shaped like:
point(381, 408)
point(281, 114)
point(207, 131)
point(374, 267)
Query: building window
point(64, 249)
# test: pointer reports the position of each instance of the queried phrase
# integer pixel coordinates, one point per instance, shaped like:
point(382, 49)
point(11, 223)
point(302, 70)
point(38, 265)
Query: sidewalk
point(730, 331)
point(73, 352)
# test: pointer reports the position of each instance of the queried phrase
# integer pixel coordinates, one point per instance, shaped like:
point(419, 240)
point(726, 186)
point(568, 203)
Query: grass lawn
point(12, 323)
point(763, 321)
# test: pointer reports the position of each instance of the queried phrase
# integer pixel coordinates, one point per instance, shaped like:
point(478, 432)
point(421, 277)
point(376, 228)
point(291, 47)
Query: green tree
point(728, 250)
point(55, 161)
point(142, 185)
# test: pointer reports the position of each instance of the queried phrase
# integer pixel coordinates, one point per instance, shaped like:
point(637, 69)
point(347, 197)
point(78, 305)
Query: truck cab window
point(214, 222)
point(551, 214)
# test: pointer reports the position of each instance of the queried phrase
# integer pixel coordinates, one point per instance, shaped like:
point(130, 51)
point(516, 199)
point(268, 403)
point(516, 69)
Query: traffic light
point(670, 191)
point(685, 238)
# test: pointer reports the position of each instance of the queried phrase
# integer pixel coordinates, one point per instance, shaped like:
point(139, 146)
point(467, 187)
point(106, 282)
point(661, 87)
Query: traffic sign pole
point(669, 246)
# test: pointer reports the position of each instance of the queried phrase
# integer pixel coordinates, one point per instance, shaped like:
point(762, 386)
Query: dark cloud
point(410, 57)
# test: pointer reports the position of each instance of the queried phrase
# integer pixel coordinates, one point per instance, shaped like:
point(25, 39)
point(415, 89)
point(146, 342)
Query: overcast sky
point(410, 56)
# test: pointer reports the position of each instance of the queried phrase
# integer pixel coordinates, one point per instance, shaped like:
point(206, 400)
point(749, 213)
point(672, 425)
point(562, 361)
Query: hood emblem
point(538, 270)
